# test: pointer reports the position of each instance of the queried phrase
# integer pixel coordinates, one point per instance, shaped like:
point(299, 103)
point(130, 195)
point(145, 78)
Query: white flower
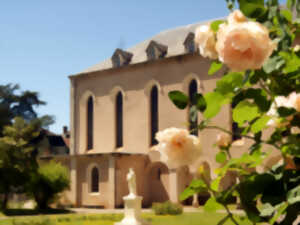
point(206, 40)
point(177, 147)
point(292, 101)
point(243, 44)
point(223, 140)
point(236, 17)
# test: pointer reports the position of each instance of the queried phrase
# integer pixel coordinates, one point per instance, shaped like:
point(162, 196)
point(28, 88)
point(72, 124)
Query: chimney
point(65, 132)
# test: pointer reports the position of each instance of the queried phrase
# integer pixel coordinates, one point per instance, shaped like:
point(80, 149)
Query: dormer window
point(121, 58)
point(189, 43)
point(156, 50)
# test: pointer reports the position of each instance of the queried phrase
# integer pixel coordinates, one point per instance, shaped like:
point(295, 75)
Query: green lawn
point(110, 219)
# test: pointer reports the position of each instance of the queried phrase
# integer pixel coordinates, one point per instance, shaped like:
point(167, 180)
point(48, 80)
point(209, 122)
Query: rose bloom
point(236, 17)
point(292, 101)
point(206, 40)
point(177, 147)
point(243, 44)
point(279, 101)
point(223, 140)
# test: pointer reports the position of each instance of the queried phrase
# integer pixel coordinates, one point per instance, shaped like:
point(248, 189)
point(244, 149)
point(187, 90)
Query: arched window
point(154, 113)
point(90, 122)
point(192, 92)
point(119, 120)
point(95, 180)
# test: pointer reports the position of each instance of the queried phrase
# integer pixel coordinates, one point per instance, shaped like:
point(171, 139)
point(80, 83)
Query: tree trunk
point(5, 201)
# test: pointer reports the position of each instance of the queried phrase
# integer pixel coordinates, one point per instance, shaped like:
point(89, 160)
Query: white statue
point(133, 204)
point(131, 179)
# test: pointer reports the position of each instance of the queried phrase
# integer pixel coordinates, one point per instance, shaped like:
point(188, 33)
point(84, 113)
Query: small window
point(95, 180)
point(90, 122)
point(154, 114)
point(119, 120)
point(192, 92)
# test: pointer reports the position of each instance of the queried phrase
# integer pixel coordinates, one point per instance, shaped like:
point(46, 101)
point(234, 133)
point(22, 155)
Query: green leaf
point(273, 63)
point(260, 124)
point(287, 15)
point(292, 62)
point(253, 8)
point(221, 157)
point(285, 112)
point(179, 99)
point(212, 205)
point(200, 102)
point(245, 111)
point(215, 184)
point(229, 84)
point(260, 98)
point(230, 4)
point(198, 184)
point(215, 67)
point(293, 195)
point(215, 25)
point(281, 208)
point(188, 192)
point(267, 210)
point(214, 101)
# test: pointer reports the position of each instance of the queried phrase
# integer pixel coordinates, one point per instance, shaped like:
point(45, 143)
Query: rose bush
point(255, 48)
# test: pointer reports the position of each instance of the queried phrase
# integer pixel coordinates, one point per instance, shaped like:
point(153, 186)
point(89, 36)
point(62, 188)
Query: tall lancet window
point(119, 120)
point(90, 123)
point(95, 180)
point(192, 92)
point(154, 114)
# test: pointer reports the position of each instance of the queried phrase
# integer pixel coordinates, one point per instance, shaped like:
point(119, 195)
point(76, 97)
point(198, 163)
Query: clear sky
point(43, 42)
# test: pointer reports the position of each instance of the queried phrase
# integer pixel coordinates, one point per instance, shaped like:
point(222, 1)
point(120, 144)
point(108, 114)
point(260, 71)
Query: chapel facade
point(118, 105)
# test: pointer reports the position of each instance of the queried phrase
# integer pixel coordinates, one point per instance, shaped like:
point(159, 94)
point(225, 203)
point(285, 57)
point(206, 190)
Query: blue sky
point(43, 42)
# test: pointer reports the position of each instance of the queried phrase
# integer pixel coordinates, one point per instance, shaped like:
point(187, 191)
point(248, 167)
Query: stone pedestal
point(132, 215)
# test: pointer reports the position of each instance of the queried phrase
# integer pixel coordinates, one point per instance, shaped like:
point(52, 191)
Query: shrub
point(167, 208)
point(50, 180)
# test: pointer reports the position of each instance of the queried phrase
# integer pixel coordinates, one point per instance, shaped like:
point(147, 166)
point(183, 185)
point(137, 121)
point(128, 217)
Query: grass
point(110, 219)
point(33, 212)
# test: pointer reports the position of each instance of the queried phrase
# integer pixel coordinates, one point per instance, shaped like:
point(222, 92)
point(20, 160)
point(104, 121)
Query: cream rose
point(177, 147)
point(243, 44)
point(292, 101)
point(236, 17)
point(279, 101)
point(206, 40)
point(223, 140)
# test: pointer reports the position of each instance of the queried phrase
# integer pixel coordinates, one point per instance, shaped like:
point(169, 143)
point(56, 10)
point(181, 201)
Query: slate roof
point(174, 39)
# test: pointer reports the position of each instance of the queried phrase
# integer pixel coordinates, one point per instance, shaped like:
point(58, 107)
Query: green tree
point(14, 103)
point(51, 179)
point(272, 196)
point(18, 155)
point(20, 129)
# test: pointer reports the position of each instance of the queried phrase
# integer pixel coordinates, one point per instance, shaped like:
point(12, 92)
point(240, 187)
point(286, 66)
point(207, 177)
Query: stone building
point(118, 105)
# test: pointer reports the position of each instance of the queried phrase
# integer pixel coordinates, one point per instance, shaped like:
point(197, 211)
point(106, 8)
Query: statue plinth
point(133, 204)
